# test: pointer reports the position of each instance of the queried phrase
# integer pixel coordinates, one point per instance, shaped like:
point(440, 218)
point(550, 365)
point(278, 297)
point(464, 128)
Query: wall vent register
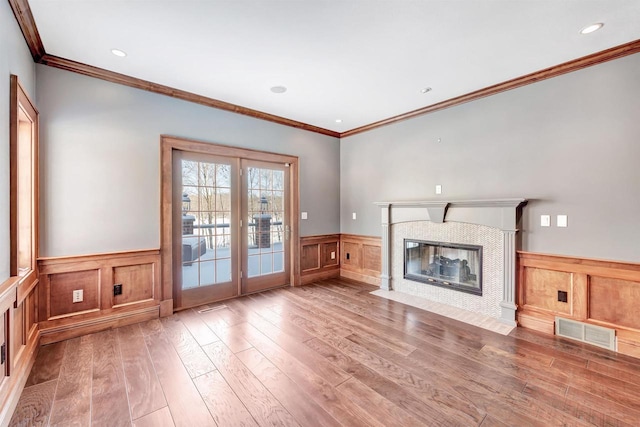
point(448, 265)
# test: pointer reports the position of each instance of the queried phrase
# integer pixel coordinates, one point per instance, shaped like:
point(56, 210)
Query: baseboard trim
point(320, 275)
point(62, 332)
point(360, 277)
point(16, 381)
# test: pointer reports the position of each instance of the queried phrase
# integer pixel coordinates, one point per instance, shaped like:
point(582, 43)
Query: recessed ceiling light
point(118, 52)
point(425, 90)
point(591, 28)
point(278, 89)
point(338, 120)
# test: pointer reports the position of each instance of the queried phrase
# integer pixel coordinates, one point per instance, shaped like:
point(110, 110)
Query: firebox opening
point(448, 265)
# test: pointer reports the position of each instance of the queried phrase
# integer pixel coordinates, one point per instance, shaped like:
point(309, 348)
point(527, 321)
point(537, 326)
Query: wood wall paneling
point(614, 301)
point(372, 259)
point(138, 283)
point(61, 318)
point(542, 290)
point(330, 256)
point(20, 334)
point(310, 257)
point(316, 262)
point(604, 293)
point(60, 292)
point(352, 255)
point(361, 258)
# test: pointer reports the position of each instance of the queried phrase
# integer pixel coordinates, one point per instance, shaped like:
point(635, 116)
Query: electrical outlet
point(438, 189)
point(78, 295)
point(562, 296)
point(117, 289)
point(303, 215)
point(333, 255)
point(353, 215)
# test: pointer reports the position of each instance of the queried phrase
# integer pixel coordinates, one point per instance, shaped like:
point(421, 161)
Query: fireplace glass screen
point(448, 265)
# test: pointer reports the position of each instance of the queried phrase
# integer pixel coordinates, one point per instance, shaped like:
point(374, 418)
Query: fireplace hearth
point(449, 265)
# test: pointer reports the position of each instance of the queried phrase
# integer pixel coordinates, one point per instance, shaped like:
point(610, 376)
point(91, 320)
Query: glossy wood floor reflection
point(326, 354)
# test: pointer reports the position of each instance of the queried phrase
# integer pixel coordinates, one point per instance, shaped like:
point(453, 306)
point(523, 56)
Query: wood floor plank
point(309, 378)
point(185, 403)
point(400, 396)
point(258, 400)
point(329, 353)
point(197, 327)
point(34, 406)
point(222, 330)
point(109, 404)
point(588, 413)
point(289, 394)
point(301, 352)
point(610, 409)
point(47, 364)
point(379, 406)
point(160, 418)
point(224, 405)
point(72, 402)
point(191, 354)
point(143, 387)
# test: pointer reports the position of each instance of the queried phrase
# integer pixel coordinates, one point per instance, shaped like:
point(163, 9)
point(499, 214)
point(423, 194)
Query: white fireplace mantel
point(496, 213)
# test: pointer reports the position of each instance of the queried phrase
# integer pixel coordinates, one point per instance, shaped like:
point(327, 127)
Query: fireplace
point(448, 265)
point(476, 234)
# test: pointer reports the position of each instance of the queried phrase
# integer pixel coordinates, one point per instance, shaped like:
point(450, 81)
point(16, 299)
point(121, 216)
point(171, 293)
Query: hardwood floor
point(326, 354)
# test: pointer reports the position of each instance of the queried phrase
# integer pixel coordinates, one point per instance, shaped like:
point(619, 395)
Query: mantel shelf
point(482, 203)
point(499, 213)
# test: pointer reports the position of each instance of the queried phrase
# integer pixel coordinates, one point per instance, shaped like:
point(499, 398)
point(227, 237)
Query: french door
point(265, 208)
point(231, 227)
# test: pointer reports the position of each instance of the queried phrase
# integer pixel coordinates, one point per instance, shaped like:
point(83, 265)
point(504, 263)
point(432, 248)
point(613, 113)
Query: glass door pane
point(208, 220)
point(265, 211)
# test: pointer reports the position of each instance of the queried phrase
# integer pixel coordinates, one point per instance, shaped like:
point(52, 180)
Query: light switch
point(353, 215)
point(438, 189)
point(303, 215)
point(562, 221)
point(545, 220)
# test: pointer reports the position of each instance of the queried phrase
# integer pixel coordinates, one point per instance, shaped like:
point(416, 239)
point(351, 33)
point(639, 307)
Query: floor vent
point(208, 309)
point(591, 334)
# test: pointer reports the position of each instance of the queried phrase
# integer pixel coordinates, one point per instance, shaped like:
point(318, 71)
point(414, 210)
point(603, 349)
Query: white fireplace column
point(385, 273)
point(496, 213)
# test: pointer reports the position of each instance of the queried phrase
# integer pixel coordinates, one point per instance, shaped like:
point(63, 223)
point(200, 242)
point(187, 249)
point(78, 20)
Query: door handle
point(287, 232)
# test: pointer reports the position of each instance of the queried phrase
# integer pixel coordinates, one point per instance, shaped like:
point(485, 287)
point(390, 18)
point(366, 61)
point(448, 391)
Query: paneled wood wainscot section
point(602, 293)
point(95, 277)
point(319, 258)
point(361, 258)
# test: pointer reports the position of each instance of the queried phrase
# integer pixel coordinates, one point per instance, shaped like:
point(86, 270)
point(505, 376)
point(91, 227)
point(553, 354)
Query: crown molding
point(547, 73)
point(111, 76)
point(22, 12)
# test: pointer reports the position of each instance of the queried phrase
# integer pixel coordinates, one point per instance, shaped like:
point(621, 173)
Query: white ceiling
point(356, 60)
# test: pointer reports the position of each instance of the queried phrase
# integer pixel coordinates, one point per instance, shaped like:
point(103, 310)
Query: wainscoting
point(603, 293)
point(19, 338)
point(95, 276)
point(319, 258)
point(361, 258)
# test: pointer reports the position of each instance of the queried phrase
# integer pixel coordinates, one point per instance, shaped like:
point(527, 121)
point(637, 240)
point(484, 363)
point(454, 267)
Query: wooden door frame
point(170, 143)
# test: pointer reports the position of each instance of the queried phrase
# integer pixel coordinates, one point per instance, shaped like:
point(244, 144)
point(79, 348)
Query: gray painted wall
point(570, 144)
point(100, 150)
point(14, 59)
